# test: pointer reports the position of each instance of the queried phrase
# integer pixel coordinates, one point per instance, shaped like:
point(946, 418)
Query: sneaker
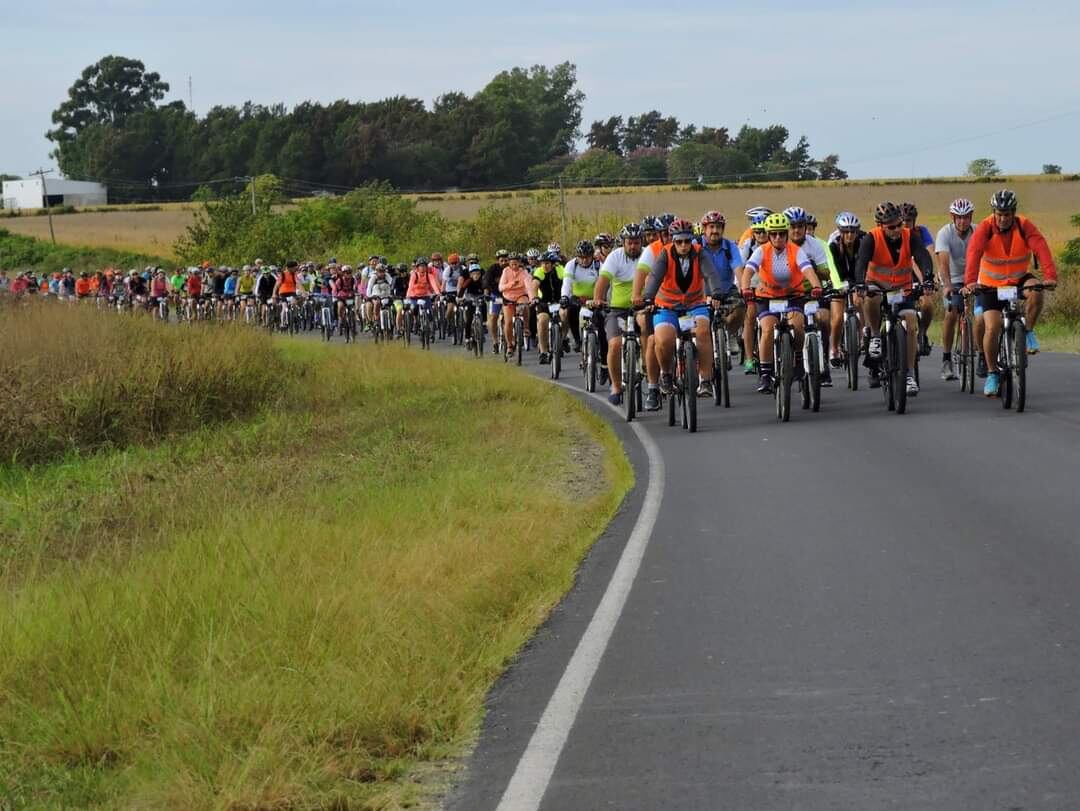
point(494, 349)
point(765, 384)
point(835, 361)
point(652, 400)
point(604, 379)
point(544, 359)
point(924, 345)
point(749, 367)
point(566, 346)
point(912, 386)
point(1032, 343)
point(875, 378)
point(615, 398)
point(993, 384)
point(980, 367)
point(874, 350)
point(666, 384)
point(826, 380)
point(705, 388)
point(948, 372)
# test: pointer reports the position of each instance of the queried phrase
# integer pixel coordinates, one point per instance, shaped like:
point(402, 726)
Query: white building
point(30, 194)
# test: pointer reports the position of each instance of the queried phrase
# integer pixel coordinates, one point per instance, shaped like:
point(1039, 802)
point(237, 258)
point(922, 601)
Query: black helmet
point(584, 248)
point(1003, 200)
point(666, 219)
point(502, 253)
point(886, 212)
point(908, 211)
point(603, 239)
point(631, 231)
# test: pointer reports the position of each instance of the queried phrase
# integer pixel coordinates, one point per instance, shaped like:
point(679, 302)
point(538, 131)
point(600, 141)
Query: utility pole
point(45, 193)
point(562, 207)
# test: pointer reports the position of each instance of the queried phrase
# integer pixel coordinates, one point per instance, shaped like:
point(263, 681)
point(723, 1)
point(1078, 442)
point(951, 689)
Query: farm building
point(30, 193)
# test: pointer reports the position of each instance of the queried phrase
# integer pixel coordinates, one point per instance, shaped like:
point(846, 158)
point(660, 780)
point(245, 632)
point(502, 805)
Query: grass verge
point(298, 610)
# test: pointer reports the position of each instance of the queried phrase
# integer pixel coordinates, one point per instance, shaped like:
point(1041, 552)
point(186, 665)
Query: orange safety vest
point(670, 295)
point(1001, 267)
point(769, 287)
point(82, 287)
point(288, 282)
point(882, 271)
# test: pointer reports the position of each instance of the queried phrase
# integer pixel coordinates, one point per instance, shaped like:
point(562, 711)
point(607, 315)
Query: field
point(1049, 202)
point(296, 603)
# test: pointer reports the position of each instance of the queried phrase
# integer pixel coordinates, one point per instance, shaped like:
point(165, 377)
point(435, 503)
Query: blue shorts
point(671, 318)
point(795, 305)
point(955, 302)
point(496, 305)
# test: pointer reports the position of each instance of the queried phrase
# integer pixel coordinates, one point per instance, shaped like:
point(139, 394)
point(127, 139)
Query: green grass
point(301, 610)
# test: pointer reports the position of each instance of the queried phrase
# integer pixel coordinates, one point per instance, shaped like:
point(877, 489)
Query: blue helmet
point(796, 214)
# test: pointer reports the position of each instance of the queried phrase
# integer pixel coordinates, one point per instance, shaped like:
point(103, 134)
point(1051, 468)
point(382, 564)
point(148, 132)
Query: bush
point(73, 379)
point(23, 252)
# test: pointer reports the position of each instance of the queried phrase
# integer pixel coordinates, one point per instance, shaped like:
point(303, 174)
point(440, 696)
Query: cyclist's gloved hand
point(816, 292)
point(564, 302)
point(748, 293)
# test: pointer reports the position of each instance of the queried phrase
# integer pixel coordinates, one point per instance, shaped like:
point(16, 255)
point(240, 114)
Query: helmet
point(421, 261)
point(811, 220)
point(666, 219)
point(847, 219)
point(796, 215)
point(584, 248)
point(502, 253)
point(908, 211)
point(402, 267)
point(516, 255)
point(549, 257)
point(454, 258)
point(649, 223)
point(554, 247)
point(756, 211)
point(631, 231)
point(961, 207)
point(775, 223)
point(436, 256)
point(332, 260)
point(474, 267)
point(713, 217)
point(532, 253)
point(681, 228)
point(473, 258)
point(886, 212)
point(1003, 200)
point(604, 238)
point(758, 222)
point(346, 268)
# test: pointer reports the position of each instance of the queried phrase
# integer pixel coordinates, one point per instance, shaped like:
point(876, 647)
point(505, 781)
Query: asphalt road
point(853, 610)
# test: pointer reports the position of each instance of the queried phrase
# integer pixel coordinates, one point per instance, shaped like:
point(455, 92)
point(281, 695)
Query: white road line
point(533, 773)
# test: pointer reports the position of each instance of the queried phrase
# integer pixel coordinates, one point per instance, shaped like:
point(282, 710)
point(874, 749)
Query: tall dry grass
point(73, 379)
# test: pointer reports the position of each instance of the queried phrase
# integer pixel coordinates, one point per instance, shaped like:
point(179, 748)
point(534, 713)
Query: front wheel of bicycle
point(852, 345)
point(690, 384)
point(898, 364)
point(813, 371)
point(630, 364)
point(1021, 361)
point(784, 376)
point(590, 362)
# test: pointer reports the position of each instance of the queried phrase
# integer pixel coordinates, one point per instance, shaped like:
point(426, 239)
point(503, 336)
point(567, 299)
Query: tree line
point(520, 128)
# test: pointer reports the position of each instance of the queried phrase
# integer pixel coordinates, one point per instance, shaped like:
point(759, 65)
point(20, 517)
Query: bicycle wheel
point(813, 372)
point(590, 361)
point(1020, 362)
point(671, 405)
point(898, 356)
point(519, 337)
point(1005, 368)
point(555, 347)
point(852, 343)
point(784, 376)
point(630, 364)
point(721, 358)
point(478, 337)
point(690, 384)
point(408, 328)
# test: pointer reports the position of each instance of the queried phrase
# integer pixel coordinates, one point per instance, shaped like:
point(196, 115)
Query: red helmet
point(453, 258)
point(714, 217)
point(681, 227)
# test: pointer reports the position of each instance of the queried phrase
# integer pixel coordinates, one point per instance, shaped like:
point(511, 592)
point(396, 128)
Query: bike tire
point(785, 376)
point(671, 408)
point(853, 339)
point(720, 376)
point(690, 384)
point(898, 353)
point(1005, 369)
point(519, 338)
point(630, 362)
point(555, 346)
point(813, 360)
point(590, 362)
point(1020, 350)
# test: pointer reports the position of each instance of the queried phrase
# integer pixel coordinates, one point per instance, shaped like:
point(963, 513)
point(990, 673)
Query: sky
point(911, 90)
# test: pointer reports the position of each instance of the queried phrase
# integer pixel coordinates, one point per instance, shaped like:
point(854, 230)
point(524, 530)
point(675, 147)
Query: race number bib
point(686, 322)
point(778, 305)
point(811, 307)
point(1006, 294)
point(553, 309)
point(586, 312)
point(895, 296)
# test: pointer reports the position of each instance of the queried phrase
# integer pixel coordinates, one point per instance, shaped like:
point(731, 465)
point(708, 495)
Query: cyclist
point(424, 285)
point(159, 289)
point(844, 250)
point(781, 267)
point(650, 229)
point(677, 279)
point(727, 260)
point(264, 286)
point(885, 264)
point(818, 254)
point(758, 238)
point(287, 285)
point(754, 217)
point(343, 288)
point(548, 291)
point(617, 276)
point(951, 247)
point(999, 255)
point(579, 281)
point(471, 294)
point(515, 284)
point(82, 286)
point(194, 289)
point(604, 244)
point(452, 276)
point(909, 214)
point(176, 286)
point(491, 287)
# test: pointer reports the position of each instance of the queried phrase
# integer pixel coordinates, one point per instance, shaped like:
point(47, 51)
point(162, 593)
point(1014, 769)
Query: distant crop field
point(1049, 202)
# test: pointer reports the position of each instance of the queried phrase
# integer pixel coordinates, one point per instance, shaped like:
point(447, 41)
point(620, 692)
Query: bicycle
point(555, 339)
point(326, 318)
point(684, 382)
point(590, 346)
point(783, 355)
point(162, 311)
point(347, 325)
point(632, 371)
point(851, 338)
point(1012, 345)
point(965, 345)
point(813, 357)
point(518, 327)
point(479, 327)
point(722, 350)
point(893, 335)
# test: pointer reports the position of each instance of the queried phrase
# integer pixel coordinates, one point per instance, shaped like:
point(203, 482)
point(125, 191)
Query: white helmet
point(961, 207)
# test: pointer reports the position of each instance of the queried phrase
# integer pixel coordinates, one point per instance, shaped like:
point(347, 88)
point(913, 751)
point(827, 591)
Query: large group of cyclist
point(663, 311)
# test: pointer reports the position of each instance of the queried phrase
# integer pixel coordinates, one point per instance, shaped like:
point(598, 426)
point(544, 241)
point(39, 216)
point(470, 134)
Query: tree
point(107, 92)
point(828, 168)
point(692, 160)
point(983, 167)
point(596, 167)
point(649, 129)
point(1051, 169)
point(605, 134)
point(763, 145)
point(648, 164)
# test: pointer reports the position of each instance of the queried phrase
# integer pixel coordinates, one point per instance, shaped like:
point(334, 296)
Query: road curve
point(854, 610)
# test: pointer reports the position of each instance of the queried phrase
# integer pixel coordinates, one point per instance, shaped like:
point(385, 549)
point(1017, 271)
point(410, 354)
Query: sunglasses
point(778, 234)
point(682, 241)
point(895, 226)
